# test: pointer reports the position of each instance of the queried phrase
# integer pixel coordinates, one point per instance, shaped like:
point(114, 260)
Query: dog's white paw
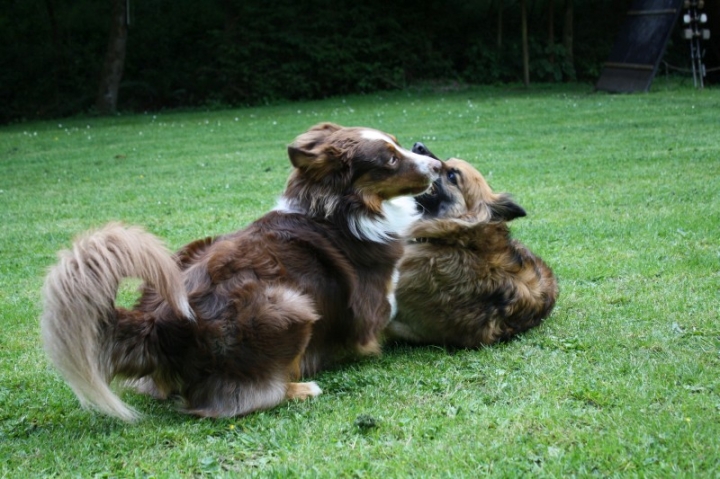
point(313, 389)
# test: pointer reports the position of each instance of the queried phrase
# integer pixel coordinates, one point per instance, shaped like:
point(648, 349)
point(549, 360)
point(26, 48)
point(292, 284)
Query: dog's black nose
point(420, 149)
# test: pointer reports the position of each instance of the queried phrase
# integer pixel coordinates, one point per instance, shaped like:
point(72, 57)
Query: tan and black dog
point(463, 281)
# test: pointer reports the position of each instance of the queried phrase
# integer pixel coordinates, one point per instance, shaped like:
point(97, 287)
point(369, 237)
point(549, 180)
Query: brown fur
point(229, 323)
point(463, 281)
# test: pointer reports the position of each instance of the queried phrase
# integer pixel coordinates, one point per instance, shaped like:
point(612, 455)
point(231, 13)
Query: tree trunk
point(57, 61)
point(551, 31)
point(106, 102)
point(525, 47)
point(568, 33)
point(500, 25)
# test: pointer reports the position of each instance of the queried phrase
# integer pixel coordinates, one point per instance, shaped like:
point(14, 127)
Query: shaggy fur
point(229, 323)
point(463, 281)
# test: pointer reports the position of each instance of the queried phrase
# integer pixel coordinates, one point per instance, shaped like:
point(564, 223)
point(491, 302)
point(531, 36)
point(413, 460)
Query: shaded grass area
point(623, 201)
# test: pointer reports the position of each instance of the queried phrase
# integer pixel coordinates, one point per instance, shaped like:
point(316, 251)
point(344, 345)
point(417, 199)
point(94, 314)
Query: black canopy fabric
point(639, 46)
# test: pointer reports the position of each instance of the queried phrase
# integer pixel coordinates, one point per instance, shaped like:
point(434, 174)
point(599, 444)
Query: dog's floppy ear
point(309, 146)
point(505, 209)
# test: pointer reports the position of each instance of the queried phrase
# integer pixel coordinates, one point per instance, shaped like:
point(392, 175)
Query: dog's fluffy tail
point(79, 318)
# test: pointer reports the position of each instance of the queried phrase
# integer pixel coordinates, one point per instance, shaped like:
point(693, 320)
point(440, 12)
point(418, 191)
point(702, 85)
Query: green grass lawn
point(623, 201)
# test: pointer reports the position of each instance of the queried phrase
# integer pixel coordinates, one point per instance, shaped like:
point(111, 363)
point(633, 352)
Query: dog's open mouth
point(428, 203)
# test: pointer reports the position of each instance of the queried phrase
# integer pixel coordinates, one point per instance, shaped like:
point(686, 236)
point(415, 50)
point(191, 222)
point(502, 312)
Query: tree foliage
point(236, 52)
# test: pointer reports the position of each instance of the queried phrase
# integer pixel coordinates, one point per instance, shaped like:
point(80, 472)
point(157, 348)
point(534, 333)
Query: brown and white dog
point(464, 282)
point(229, 323)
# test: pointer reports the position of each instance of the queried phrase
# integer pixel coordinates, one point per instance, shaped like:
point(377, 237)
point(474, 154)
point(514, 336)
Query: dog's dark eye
point(393, 160)
point(452, 177)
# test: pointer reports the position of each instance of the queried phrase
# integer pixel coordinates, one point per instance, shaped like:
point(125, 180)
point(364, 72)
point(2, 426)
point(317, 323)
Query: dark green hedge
point(231, 52)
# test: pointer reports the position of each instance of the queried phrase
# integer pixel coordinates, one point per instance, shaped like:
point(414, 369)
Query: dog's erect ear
point(309, 146)
point(505, 209)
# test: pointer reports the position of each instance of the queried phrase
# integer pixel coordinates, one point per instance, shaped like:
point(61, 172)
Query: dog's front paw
point(371, 348)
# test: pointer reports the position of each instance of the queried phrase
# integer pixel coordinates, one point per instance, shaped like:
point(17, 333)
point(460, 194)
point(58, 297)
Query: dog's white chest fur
point(391, 294)
point(398, 214)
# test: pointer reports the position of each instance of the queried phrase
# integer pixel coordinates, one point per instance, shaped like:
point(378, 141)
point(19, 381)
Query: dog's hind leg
point(219, 397)
point(224, 398)
point(258, 358)
point(302, 391)
point(146, 385)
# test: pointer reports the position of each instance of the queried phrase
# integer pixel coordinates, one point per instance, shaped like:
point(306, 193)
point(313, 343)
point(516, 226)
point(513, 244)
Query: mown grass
point(623, 199)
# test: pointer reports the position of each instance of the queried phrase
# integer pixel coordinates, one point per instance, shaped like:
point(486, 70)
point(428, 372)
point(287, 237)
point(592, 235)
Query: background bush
point(241, 52)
